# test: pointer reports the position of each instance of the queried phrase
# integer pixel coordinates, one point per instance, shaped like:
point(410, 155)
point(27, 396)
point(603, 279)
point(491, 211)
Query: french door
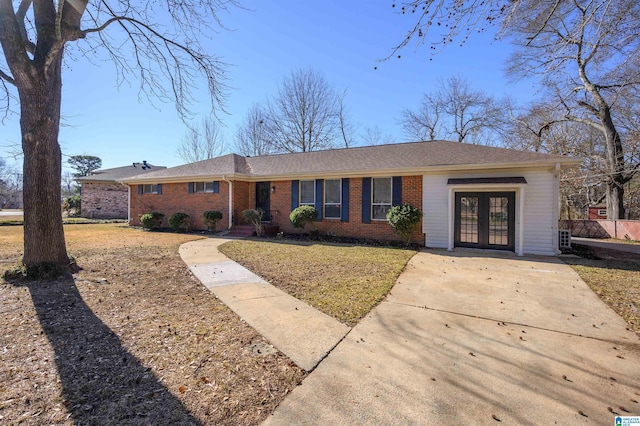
point(485, 220)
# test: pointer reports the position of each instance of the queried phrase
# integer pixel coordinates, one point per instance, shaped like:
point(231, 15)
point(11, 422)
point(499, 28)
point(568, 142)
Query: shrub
point(303, 215)
point(180, 222)
point(151, 220)
point(72, 203)
point(404, 219)
point(253, 217)
point(211, 219)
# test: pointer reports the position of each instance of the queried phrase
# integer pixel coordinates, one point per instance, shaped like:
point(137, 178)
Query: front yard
point(133, 338)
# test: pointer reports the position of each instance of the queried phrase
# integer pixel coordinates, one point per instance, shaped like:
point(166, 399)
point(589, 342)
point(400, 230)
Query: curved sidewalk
point(301, 332)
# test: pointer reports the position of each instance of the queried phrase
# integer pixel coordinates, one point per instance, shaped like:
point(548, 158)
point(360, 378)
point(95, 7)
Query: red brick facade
point(175, 197)
point(104, 200)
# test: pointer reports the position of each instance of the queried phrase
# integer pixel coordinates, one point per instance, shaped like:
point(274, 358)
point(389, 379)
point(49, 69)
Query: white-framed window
point(380, 198)
point(602, 212)
point(150, 188)
point(307, 192)
point(332, 198)
point(203, 187)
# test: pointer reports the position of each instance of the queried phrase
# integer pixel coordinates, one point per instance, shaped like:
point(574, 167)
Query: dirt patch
point(131, 339)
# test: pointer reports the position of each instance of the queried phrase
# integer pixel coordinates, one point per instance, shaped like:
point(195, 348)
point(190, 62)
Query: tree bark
point(40, 102)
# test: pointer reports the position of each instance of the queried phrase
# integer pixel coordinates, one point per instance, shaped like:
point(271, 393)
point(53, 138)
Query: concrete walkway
point(607, 244)
point(475, 337)
point(301, 332)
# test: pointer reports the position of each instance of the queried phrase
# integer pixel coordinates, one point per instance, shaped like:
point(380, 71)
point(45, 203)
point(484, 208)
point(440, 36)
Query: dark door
point(485, 220)
point(262, 199)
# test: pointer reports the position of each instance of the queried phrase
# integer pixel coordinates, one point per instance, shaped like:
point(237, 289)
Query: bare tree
point(201, 142)
point(304, 115)
point(374, 135)
point(347, 128)
point(586, 51)
point(168, 59)
point(455, 110)
point(251, 135)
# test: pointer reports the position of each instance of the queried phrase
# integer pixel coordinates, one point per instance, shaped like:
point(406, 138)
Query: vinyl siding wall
point(539, 216)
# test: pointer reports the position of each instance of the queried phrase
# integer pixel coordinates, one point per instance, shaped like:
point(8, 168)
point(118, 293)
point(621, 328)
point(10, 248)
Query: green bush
point(151, 220)
point(303, 215)
point(180, 222)
point(72, 203)
point(404, 220)
point(211, 219)
point(253, 217)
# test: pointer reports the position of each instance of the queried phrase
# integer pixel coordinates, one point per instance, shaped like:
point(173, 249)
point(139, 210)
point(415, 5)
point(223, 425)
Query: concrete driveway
point(477, 338)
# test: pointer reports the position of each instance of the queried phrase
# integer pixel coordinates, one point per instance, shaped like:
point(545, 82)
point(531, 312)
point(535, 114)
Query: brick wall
point(104, 200)
point(175, 198)
point(379, 230)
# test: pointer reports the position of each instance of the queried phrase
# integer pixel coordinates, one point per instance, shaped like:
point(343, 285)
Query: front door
point(262, 199)
point(485, 220)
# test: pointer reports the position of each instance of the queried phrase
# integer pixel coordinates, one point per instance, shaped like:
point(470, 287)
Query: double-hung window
point(307, 192)
point(203, 187)
point(381, 198)
point(150, 188)
point(332, 198)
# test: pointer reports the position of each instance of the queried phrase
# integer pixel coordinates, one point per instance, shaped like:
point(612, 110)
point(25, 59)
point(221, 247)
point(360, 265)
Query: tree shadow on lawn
point(102, 382)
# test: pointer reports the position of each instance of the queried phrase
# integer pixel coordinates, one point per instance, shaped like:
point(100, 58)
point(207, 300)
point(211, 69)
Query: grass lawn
point(343, 281)
point(614, 277)
point(132, 339)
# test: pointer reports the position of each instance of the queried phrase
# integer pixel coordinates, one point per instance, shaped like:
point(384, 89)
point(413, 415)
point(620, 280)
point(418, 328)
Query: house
point(103, 196)
point(597, 212)
point(471, 195)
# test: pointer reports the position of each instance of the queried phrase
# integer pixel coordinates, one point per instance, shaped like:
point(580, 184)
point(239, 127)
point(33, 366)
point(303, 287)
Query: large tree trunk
point(615, 164)
point(40, 122)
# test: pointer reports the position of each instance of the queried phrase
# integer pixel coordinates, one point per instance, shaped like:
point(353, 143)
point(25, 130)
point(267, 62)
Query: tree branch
point(7, 78)
point(20, 16)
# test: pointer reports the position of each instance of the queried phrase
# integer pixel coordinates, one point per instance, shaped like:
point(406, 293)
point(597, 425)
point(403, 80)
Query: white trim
point(490, 187)
point(129, 203)
point(230, 214)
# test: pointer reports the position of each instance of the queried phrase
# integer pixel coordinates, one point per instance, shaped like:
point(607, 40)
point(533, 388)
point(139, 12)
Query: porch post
point(230, 204)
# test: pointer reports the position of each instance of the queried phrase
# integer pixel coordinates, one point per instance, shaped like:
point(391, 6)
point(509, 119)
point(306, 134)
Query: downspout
point(230, 200)
point(556, 207)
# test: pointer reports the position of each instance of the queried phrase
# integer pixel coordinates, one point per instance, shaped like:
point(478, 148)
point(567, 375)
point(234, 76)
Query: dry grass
point(132, 339)
point(343, 281)
point(614, 277)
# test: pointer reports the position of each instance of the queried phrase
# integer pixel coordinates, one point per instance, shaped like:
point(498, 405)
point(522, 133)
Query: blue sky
point(266, 41)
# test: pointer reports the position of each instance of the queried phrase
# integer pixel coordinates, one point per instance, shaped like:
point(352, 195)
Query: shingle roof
point(119, 173)
point(411, 157)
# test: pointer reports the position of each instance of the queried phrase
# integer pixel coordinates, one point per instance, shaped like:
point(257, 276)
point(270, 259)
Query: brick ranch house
point(470, 195)
point(102, 194)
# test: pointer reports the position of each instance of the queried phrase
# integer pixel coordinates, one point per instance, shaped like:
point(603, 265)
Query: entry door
point(262, 199)
point(485, 220)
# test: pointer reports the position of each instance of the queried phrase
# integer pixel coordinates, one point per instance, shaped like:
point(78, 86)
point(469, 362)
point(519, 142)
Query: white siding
point(540, 212)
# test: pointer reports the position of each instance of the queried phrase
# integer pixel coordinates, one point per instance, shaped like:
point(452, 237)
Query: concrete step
point(241, 231)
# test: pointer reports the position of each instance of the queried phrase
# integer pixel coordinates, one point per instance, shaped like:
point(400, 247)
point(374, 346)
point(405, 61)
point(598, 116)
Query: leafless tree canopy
point(455, 111)
point(374, 135)
point(305, 114)
point(158, 43)
point(201, 142)
point(251, 135)
point(586, 51)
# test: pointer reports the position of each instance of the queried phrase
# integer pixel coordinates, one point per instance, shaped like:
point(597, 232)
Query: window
point(204, 187)
point(150, 188)
point(307, 192)
point(332, 198)
point(602, 212)
point(381, 198)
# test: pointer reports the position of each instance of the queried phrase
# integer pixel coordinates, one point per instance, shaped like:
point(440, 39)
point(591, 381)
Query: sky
point(263, 43)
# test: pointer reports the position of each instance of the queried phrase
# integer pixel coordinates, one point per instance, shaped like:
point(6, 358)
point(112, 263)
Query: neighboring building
point(471, 195)
point(598, 212)
point(104, 197)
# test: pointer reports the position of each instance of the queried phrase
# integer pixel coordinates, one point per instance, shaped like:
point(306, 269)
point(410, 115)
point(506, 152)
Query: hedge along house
point(103, 196)
point(470, 195)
